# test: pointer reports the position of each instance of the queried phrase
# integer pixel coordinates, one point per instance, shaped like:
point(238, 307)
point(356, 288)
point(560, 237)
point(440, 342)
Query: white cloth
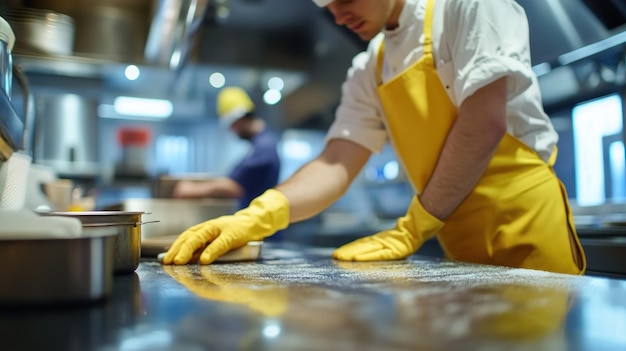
point(475, 42)
point(25, 224)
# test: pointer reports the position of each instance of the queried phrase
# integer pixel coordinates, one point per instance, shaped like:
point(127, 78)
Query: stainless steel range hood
point(297, 36)
point(560, 26)
point(582, 57)
point(173, 32)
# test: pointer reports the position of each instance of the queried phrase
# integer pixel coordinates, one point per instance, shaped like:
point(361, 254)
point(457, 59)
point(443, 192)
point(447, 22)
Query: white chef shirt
point(475, 42)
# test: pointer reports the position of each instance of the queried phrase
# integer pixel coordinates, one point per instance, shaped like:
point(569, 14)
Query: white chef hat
point(322, 3)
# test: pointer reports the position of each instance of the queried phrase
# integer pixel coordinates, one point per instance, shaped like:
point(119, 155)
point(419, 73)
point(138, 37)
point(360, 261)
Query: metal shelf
point(68, 66)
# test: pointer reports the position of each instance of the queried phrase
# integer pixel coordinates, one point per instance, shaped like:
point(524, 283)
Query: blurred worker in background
point(257, 172)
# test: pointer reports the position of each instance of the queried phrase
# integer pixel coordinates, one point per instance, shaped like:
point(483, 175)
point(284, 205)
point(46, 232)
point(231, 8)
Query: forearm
point(308, 195)
point(470, 145)
point(222, 187)
point(218, 187)
point(324, 180)
point(463, 160)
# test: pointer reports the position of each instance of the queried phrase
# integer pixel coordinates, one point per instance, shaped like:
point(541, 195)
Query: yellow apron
point(518, 214)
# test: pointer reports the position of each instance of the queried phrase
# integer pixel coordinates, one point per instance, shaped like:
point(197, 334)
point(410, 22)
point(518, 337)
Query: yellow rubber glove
point(266, 215)
point(403, 240)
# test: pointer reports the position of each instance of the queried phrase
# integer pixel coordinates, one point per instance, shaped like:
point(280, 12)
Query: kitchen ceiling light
point(217, 80)
point(391, 170)
point(132, 72)
point(271, 97)
point(131, 106)
point(276, 83)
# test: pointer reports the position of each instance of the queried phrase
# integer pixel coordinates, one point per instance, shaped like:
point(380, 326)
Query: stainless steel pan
point(57, 270)
point(127, 225)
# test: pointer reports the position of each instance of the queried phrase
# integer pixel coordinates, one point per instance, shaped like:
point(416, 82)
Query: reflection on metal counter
point(249, 252)
point(295, 296)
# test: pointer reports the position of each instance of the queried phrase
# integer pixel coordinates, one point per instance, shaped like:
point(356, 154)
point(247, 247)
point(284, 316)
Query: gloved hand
point(266, 215)
point(403, 240)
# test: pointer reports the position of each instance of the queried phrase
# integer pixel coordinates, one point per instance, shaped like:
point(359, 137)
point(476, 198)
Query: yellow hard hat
point(232, 104)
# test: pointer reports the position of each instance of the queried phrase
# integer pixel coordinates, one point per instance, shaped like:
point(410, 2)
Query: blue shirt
point(260, 169)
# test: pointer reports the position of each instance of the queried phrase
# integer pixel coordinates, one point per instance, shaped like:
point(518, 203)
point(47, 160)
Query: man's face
point(366, 18)
point(241, 128)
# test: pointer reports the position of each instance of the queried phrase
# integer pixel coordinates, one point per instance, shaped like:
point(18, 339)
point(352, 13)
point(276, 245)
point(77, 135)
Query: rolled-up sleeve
point(359, 115)
point(489, 42)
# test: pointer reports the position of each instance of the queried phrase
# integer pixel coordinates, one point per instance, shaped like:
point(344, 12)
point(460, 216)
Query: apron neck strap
point(428, 27)
point(428, 41)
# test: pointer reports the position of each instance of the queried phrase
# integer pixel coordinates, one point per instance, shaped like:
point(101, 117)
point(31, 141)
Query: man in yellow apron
point(461, 107)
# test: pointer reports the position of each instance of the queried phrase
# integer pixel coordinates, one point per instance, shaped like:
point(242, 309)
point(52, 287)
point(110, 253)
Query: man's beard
point(245, 135)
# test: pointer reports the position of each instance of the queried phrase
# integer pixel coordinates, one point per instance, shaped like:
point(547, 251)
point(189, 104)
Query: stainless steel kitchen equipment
point(58, 270)
point(67, 153)
point(40, 269)
point(127, 227)
point(174, 31)
point(42, 31)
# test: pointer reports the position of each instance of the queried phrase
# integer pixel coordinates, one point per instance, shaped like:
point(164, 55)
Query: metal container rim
point(93, 213)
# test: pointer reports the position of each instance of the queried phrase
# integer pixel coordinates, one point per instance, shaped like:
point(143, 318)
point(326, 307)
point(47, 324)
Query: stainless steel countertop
point(297, 298)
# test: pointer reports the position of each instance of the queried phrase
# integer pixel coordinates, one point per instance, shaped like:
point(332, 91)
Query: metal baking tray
point(157, 246)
